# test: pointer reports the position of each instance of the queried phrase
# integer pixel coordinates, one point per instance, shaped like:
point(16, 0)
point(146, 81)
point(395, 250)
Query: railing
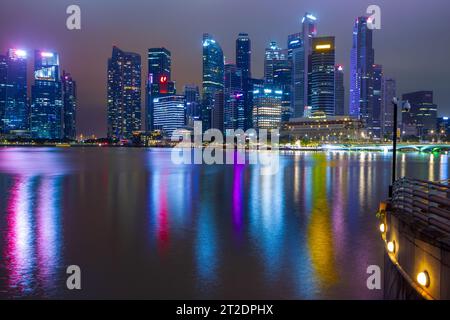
point(426, 201)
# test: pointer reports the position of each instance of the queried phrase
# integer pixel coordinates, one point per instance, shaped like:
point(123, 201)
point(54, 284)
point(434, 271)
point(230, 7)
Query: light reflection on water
point(142, 227)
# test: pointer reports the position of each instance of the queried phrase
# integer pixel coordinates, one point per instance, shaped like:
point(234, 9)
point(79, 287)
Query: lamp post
point(405, 107)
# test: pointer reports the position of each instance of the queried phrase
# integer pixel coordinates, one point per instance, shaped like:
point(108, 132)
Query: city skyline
point(408, 71)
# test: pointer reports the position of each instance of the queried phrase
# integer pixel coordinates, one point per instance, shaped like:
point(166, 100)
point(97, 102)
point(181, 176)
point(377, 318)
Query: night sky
point(413, 45)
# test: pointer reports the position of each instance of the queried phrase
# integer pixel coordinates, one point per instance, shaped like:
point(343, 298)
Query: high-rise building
point(213, 79)
point(388, 92)
point(15, 105)
point(282, 81)
point(267, 108)
point(309, 31)
point(296, 56)
point(322, 75)
point(421, 119)
point(361, 71)
point(234, 103)
point(339, 91)
point(124, 94)
point(192, 104)
point(274, 58)
point(169, 114)
point(46, 94)
point(159, 80)
point(69, 96)
point(377, 80)
point(299, 52)
point(3, 85)
point(243, 62)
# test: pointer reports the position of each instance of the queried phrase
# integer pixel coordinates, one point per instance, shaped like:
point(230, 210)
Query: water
point(140, 226)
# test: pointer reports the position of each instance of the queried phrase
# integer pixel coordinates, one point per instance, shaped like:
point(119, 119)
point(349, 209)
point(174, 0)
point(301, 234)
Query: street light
point(405, 107)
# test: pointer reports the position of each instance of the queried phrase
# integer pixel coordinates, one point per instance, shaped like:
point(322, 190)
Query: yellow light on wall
point(323, 46)
point(391, 246)
point(423, 278)
point(382, 228)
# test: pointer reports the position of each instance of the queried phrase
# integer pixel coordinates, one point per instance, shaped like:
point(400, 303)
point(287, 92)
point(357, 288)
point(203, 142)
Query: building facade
point(339, 91)
point(267, 108)
point(124, 94)
point(422, 118)
point(388, 92)
point(213, 79)
point(322, 75)
point(320, 127)
point(375, 129)
point(159, 80)
point(234, 103)
point(69, 95)
point(47, 105)
point(361, 71)
point(192, 104)
point(16, 110)
point(244, 63)
point(169, 114)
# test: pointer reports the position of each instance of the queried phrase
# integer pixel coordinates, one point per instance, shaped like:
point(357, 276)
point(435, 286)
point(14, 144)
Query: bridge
point(415, 226)
point(387, 148)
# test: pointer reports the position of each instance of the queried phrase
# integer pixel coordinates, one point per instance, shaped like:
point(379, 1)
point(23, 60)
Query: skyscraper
point(169, 113)
point(192, 104)
point(421, 119)
point(361, 71)
point(339, 91)
point(388, 92)
point(234, 104)
point(16, 110)
point(46, 94)
point(124, 94)
point(300, 50)
point(213, 79)
point(243, 62)
point(3, 85)
point(322, 75)
point(282, 81)
point(267, 108)
point(274, 58)
point(377, 80)
point(159, 81)
point(69, 96)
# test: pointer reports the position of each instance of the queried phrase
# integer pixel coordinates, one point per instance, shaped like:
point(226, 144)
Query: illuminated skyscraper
point(388, 92)
point(124, 94)
point(159, 81)
point(213, 79)
point(361, 71)
point(376, 117)
point(69, 95)
point(14, 109)
point(46, 93)
point(192, 104)
point(234, 108)
point(243, 62)
point(322, 75)
point(274, 58)
point(300, 49)
point(3, 85)
point(422, 118)
point(267, 108)
point(169, 113)
point(339, 91)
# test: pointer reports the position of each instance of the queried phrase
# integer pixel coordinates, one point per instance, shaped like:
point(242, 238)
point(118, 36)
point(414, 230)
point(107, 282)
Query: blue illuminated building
point(213, 80)
point(14, 108)
point(47, 105)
